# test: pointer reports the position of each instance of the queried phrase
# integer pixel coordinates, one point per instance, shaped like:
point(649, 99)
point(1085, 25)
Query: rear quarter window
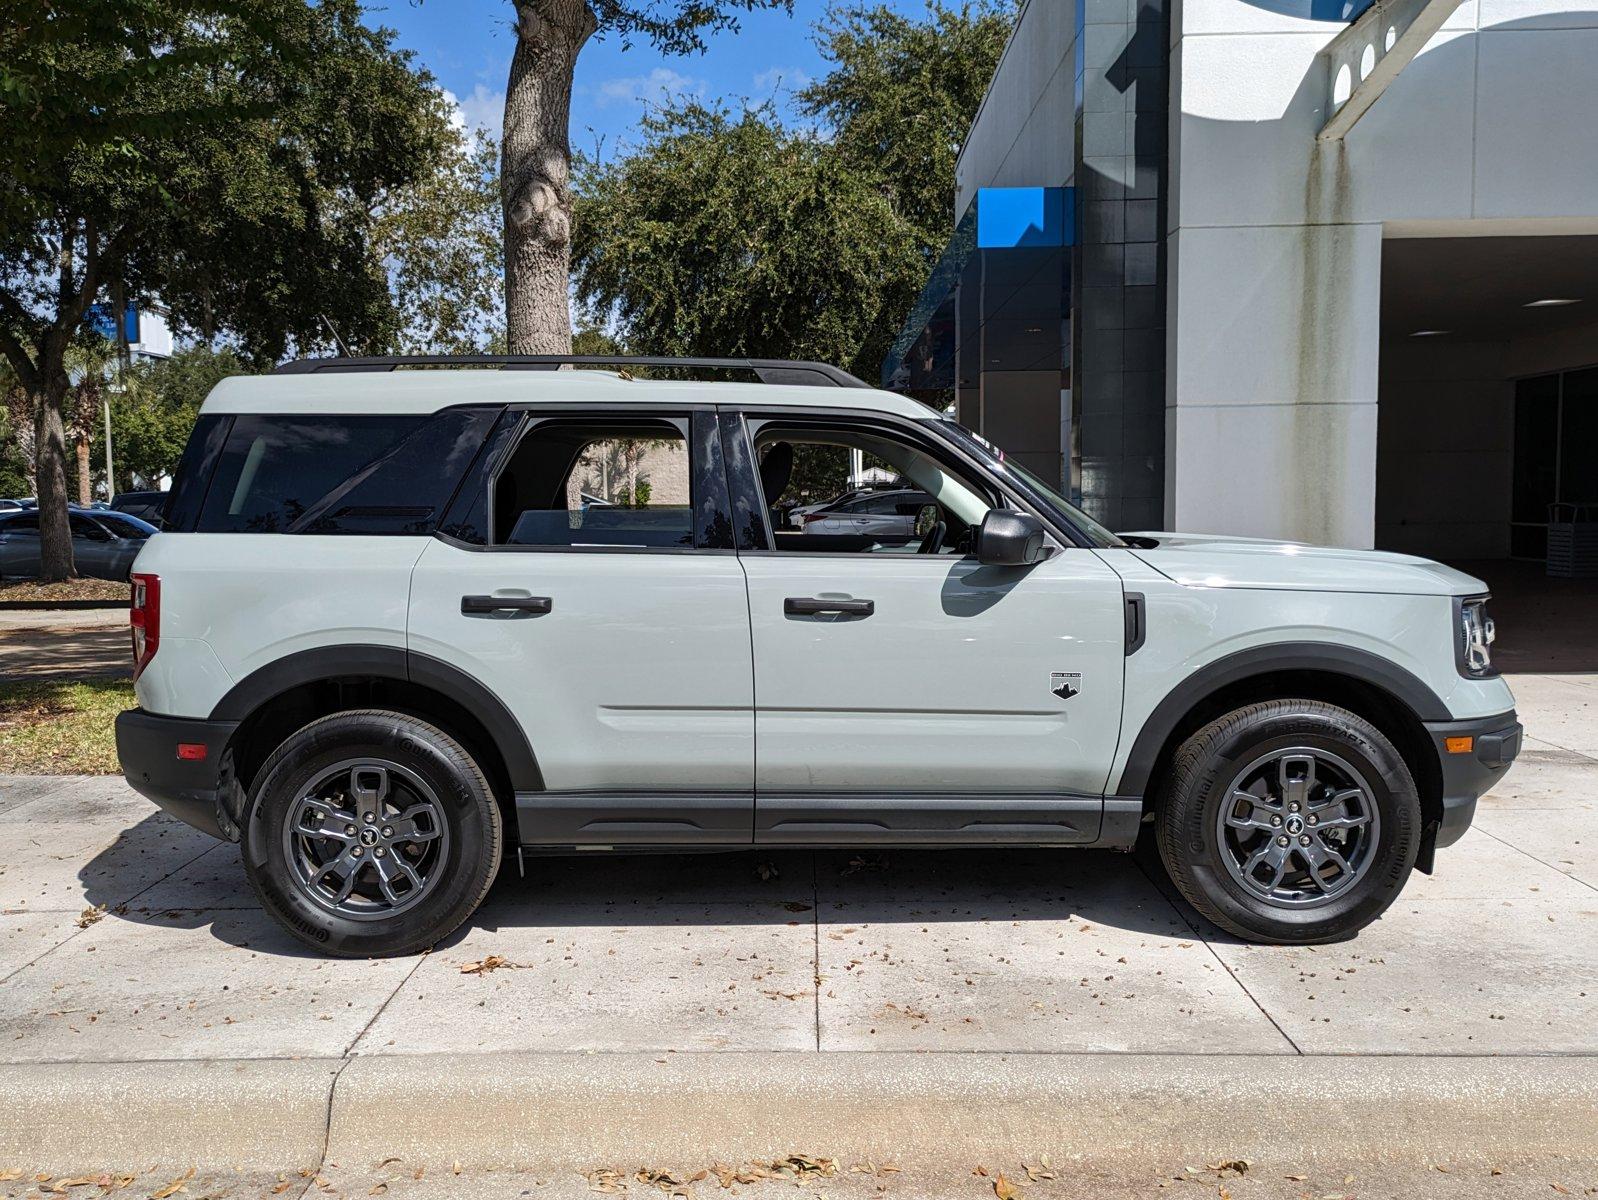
point(338, 474)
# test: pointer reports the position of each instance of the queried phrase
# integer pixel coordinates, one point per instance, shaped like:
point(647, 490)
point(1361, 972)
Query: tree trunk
point(50, 447)
point(85, 489)
point(535, 173)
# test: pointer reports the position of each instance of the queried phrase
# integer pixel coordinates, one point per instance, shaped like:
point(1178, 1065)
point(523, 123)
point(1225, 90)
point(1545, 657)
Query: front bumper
point(190, 789)
point(1468, 774)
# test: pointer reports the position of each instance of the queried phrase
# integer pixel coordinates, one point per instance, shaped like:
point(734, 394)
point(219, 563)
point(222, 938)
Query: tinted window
point(182, 508)
point(125, 526)
point(82, 527)
point(343, 474)
point(25, 524)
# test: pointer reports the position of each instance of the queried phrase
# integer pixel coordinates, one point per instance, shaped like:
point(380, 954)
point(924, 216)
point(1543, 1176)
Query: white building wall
point(1023, 135)
point(1274, 247)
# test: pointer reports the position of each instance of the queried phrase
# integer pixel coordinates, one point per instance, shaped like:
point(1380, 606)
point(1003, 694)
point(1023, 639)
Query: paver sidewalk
point(127, 938)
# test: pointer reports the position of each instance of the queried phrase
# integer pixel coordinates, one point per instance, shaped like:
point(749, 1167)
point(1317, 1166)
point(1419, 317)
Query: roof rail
point(767, 370)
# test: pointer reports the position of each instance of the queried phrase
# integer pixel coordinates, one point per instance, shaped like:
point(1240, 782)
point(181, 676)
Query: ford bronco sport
point(397, 616)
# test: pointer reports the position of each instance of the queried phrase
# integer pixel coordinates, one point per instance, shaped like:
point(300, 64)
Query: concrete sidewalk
point(870, 1006)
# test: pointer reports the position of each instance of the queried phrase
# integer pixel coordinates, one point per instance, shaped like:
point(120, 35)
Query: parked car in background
point(146, 506)
point(890, 515)
point(10, 506)
point(104, 543)
point(798, 513)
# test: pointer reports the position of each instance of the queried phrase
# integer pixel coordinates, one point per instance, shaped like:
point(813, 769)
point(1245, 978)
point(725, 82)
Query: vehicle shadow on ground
point(745, 887)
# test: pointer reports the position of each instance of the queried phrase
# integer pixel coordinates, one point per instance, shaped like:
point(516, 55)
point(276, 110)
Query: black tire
point(462, 858)
point(1194, 842)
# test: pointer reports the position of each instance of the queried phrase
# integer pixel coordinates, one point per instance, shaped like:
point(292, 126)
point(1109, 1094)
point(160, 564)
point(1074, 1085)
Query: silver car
point(889, 515)
point(104, 543)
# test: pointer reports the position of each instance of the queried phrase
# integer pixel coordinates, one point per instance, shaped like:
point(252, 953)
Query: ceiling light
point(1430, 332)
point(1550, 303)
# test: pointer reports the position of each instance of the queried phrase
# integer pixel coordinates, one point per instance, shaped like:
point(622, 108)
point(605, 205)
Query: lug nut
point(1293, 807)
point(1274, 821)
point(1304, 841)
point(1281, 841)
point(350, 829)
point(355, 851)
point(379, 850)
point(388, 831)
point(1314, 820)
point(369, 818)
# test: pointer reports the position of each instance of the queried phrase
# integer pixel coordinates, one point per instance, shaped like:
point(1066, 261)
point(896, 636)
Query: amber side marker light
point(1459, 745)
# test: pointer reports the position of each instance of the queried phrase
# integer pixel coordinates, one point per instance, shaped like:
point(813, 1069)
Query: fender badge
point(1065, 684)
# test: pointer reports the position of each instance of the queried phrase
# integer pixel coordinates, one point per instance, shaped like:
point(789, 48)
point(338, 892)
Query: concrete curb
point(239, 1114)
point(548, 1111)
point(627, 1110)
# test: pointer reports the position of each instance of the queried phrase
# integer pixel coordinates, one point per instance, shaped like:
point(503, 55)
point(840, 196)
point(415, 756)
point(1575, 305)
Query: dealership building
point(1311, 269)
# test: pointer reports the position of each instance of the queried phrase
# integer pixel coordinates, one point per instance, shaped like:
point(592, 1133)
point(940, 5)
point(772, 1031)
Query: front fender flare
point(1346, 661)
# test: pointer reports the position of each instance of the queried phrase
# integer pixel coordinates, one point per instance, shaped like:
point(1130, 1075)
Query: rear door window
point(624, 484)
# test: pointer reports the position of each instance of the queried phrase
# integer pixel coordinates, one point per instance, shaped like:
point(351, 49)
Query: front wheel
point(372, 833)
point(1291, 821)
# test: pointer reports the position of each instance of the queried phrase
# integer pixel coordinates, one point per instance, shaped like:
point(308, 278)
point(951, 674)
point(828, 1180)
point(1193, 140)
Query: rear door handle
point(805, 606)
point(489, 604)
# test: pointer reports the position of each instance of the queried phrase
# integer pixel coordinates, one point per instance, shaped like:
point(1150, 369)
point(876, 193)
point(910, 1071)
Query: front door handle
point(805, 606)
point(490, 604)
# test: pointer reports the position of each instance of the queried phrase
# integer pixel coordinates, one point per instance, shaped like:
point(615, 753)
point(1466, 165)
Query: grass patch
point(72, 589)
point(61, 726)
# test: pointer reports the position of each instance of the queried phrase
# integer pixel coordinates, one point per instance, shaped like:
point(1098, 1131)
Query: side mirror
point(926, 518)
point(1009, 539)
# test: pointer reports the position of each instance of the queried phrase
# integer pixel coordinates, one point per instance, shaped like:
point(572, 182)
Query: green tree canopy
point(225, 157)
point(728, 232)
point(901, 94)
point(154, 412)
point(725, 233)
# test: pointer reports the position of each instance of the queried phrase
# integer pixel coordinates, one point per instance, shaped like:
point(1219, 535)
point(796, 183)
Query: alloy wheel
point(1299, 827)
point(366, 839)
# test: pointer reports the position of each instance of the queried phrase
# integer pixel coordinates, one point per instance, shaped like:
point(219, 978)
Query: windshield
point(1037, 490)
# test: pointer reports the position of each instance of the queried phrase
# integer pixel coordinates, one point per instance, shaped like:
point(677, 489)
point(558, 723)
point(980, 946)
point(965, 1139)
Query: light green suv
point(399, 616)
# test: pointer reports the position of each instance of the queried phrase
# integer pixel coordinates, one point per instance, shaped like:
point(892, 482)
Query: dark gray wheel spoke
point(346, 867)
point(1280, 859)
point(1261, 814)
point(369, 788)
point(416, 824)
point(1296, 779)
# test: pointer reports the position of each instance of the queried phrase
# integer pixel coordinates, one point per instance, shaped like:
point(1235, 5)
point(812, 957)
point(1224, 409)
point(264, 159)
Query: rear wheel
point(372, 833)
point(1289, 821)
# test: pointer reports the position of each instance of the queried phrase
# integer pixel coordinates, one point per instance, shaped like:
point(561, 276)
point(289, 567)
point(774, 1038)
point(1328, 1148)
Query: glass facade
point(1043, 324)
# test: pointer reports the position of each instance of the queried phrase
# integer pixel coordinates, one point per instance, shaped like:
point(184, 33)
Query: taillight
point(144, 615)
point(815, 516)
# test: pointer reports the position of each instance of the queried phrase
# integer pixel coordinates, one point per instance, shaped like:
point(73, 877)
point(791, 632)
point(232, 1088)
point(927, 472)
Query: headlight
point(1473, 637)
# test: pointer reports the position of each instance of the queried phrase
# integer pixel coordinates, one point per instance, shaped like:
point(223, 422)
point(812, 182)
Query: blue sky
point(467, 44)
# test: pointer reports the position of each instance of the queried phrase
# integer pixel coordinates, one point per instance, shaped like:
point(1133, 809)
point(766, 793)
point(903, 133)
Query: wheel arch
point(272, 702)
point(1383, 693)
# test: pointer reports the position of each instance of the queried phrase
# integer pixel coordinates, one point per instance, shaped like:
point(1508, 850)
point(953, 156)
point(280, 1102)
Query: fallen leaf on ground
point(1004, 1189)
point(1232, 1166)
point(173, 1188)
point(90, 915)
point(492, 962)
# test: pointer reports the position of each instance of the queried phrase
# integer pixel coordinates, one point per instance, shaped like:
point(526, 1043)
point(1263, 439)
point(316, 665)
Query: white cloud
point(657, 87)
point(484, 110)
point(780, 79)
